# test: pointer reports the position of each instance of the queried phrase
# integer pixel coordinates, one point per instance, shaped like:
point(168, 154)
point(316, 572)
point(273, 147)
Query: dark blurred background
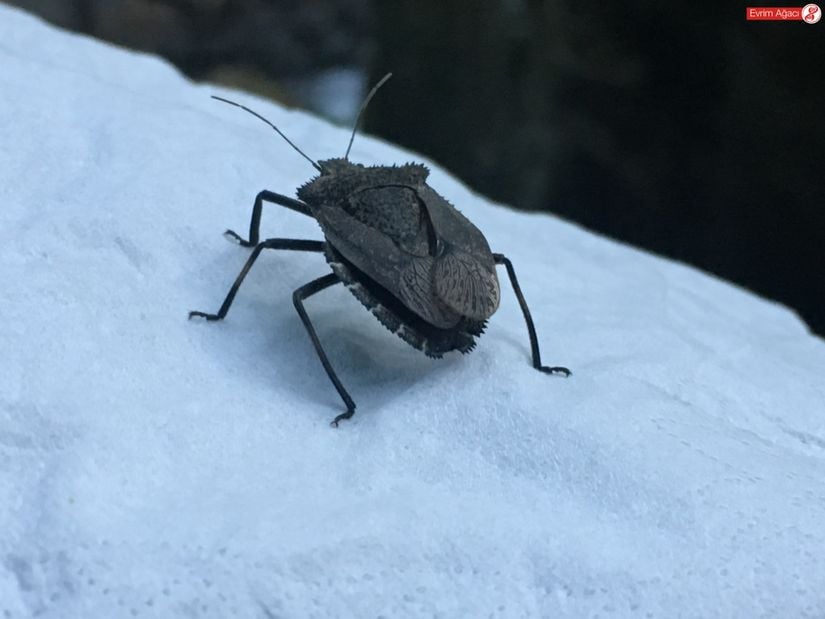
point(678, 127)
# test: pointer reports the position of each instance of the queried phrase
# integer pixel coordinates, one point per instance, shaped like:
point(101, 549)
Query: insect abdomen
point(390, 312)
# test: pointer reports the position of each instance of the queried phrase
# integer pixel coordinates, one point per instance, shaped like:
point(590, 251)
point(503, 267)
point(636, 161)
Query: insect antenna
point(256, 115)
point(364, 107)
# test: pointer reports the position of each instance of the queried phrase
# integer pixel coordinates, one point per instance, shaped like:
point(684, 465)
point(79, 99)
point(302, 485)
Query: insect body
point(421, 267)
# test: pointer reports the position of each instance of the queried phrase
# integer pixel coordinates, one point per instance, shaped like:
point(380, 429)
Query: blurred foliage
point(685, 130)
point(246, 43)
point(677, 127)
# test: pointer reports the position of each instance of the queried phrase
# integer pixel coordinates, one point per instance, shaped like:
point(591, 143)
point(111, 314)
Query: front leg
point(255, 223)
point(534, 343)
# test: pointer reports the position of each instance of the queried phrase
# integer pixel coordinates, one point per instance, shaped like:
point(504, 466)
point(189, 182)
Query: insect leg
point(298, 297)
point(534, 343)
point(291, 244)
point(255, 223)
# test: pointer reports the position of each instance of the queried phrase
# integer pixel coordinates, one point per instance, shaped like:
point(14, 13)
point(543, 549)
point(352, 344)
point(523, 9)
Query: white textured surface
point(154, 467)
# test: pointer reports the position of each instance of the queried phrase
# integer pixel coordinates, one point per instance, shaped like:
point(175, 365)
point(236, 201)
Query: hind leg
point(531, 330)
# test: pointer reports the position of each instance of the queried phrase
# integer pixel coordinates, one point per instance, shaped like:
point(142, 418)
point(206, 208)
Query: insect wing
point(406, 276)
point(465, 286)
point(465, 273)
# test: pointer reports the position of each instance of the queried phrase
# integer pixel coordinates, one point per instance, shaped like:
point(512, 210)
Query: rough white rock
point(155, 467)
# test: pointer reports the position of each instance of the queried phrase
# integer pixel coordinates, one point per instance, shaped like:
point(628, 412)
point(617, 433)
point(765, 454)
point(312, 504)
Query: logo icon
point(811, 13)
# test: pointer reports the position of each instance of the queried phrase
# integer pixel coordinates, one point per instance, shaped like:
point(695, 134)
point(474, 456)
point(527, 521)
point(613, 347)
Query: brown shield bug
point(421, 267)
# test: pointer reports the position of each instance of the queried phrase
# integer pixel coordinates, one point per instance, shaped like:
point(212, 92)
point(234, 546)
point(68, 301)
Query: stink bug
point(406, 253)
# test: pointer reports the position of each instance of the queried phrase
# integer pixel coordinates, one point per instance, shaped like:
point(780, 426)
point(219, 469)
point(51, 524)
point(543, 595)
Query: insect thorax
point(340, 179)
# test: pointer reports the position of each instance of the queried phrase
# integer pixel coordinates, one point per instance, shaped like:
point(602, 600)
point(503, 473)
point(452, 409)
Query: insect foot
point(556, 369)
point(195, 314)
point(234, 237)
point(342, 417)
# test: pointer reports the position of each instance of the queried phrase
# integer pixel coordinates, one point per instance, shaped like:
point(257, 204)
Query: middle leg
point(298, 297)
point(289, 244)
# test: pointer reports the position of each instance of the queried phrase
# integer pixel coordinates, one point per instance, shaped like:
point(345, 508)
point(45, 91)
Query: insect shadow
point(409, 256)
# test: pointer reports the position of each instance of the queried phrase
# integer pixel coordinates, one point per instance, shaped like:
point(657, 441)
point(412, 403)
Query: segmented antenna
point(363, 107)
point(288, 141)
